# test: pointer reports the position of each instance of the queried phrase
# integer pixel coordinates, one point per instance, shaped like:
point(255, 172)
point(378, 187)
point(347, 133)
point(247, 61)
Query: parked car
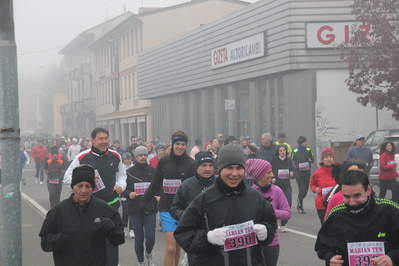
point(375, 171)
point(375, 138)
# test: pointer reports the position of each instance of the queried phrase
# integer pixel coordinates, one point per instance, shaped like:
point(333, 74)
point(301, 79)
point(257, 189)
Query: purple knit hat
point(256, 169)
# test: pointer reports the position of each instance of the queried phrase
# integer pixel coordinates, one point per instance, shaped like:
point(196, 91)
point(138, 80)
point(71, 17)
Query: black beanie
point(230, 154)
point(301, 139)
point(198, 142)
point(82, 173)
point(203, 157)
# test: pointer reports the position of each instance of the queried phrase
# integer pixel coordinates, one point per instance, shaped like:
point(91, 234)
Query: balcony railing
point(75, 74)
point(86, 104)
point(86, 68)
point(66, 108)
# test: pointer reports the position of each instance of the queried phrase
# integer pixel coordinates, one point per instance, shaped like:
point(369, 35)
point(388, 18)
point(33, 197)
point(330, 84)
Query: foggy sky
point(48, 24)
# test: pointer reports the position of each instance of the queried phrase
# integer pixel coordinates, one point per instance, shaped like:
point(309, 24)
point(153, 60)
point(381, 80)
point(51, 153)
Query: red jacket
point(39, 154)
point(321, 178)
point(154, 161)
point(387, 167)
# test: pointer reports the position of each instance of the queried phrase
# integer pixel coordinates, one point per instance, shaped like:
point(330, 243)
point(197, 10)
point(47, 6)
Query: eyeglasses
point(134, 140)
point(361, 139)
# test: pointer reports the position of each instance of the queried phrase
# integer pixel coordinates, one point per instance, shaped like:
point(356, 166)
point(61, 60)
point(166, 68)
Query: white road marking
point(301, 233)
point(31, 201)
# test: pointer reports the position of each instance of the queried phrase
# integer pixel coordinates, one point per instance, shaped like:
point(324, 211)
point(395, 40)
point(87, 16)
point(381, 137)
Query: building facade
point(79, 113)
point(269, 67)
point(117, 105)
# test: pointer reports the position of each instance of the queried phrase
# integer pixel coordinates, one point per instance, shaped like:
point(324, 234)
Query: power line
point(39, 51)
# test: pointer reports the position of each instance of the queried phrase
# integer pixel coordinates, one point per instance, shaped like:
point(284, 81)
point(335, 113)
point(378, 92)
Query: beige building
point(78, 112)
point(117, 105)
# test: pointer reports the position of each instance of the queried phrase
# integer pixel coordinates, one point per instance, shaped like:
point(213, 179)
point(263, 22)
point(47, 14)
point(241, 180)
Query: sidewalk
point(32, 220)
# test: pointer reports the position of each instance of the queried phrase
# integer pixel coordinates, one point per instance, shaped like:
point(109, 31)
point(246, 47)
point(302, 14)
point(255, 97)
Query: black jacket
point(187, 192)
point(169, 167)
point(267, 153)
point(302, 156)
point(109, 166)
point(87, 246)
point(216, 208)
point(379, 223)
point(139, 173)
point(279, 164)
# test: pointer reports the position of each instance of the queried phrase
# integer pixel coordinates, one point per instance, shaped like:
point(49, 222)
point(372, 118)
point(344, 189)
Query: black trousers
point(288, 194)
point(54, 191)
point(391, 185)
point(271, 253)
point(302, 179)
point(112, 251)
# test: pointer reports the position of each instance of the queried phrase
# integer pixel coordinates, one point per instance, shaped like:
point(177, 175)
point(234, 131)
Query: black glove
point(106, 225)
point(62, 240)
point(269, 199)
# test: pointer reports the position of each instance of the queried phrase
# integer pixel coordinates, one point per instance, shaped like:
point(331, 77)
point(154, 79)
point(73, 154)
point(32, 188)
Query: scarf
point(360, 209)
point(230, 191)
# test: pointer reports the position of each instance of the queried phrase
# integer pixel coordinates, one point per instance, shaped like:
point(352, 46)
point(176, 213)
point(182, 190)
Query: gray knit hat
point(230, 154)
point(140, 150)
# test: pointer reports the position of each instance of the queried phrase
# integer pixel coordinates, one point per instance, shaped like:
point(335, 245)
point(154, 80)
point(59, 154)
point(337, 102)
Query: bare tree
point(373, 54)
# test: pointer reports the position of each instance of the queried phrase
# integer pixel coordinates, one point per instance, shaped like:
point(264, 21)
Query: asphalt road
point(296, 246)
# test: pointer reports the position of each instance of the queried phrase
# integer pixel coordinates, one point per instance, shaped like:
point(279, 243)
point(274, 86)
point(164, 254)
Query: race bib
point(324, 191)
point(54, 181)
point(304, 166)
point(361, 253)
point(283, 173)
point(99, 182)
point(240, 236)
point(141, 188)
point(170, 186)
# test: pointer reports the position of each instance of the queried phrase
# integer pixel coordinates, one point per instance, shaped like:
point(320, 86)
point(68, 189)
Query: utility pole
point(9, 137)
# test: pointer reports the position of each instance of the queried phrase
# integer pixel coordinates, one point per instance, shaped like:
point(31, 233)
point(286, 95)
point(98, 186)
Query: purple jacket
point(280, 206)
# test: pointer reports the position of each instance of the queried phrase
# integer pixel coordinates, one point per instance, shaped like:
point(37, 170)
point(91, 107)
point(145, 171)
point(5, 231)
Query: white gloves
point(217, 236)
point(260, 231)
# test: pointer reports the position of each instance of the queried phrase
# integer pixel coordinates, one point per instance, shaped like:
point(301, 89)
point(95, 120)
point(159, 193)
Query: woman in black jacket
point(283, 171)
point(76, 229)
point(143, 222)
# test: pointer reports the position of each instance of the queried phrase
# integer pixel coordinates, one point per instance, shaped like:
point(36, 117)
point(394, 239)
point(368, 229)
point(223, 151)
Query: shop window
point(198, 109)
point(211, 113)
point(280, 91)
point(243, 114)
point(186, 115)
point(225, 113)
point(272, 107)
point(264, 106)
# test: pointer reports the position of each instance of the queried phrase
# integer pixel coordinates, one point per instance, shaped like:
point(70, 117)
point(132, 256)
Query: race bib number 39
point(283, 173)
point(361, 253)
point(170, 186)
point(304, 166)
point(141, 188)
point(240, 236)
